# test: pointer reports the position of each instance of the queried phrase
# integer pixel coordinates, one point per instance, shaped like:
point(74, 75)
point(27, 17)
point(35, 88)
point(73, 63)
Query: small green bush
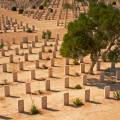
point(1, 45)
point(48, 33)
point(77, 74)
point(14, 8)
point(49, 50)
point(77, 102)
point(75, 62)
point(116, 95)
point(20, 11)
point(78, 87)
point(43, 34)
point(41, 7)
point(29, 30)
point(34, 110)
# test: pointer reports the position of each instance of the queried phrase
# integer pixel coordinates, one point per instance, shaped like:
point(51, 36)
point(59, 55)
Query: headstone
point(32, 74)
point(44, 102)
point(87, 95)
point(66, 70)
point(84, 79)
point(66, 82)
point(66, 61)
point(21, 66)
point(118, 74)
point(20, 106)
point(66, 98)
point(107, 92)
point(52, 62)
point(15, 76)
point(28, 88)
point(82, 68)
point(37, 66)
point(47, 85)
point(11, 59)
point(40, 55)
point(4, 67)
point(7, 90)
point(26, 56)
point(50, 72)
point(36, 38)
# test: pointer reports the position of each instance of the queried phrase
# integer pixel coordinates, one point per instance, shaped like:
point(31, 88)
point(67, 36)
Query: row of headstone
point(9, 24)
point(66, 97)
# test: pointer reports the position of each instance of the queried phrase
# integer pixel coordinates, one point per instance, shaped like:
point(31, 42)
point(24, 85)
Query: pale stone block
point(4, 67)
point(7, 90)
point(32, 74)
point(66, 82)
point(82, 68)
point(66, 70)
point(28, 88)
point(84, 79)
point(47, 85)
point(20, 106)
point(107, 92)
point(50, 72)
point(66, 98)
point(44, 102)
point(118, 74)
point(87, 95)
point(15, 76)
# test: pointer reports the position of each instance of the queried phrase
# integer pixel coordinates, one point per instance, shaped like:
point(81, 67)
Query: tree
point(91, 34)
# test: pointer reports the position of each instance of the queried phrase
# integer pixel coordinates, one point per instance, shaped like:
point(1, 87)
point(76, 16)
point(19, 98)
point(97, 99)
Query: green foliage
point(75, 62)
point(29, 30)
point(78, 87)
point(46, 35)
point(77, 102)
point(116, 95)
point(20, 11)
point(43, 35)
point(95, 33)
point(14, 8)
point(1, 46)
point(34, 110)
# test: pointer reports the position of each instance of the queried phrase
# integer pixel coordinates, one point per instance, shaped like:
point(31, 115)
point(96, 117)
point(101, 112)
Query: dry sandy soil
point(98, 109)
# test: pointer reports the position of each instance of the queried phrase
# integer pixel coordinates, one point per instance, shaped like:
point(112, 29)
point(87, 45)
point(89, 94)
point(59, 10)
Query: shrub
point(41, 7)
point(49, 50)
point(44, 66)
point(78, 87)
point(48, 58)
point(48, 34)
point(20, 11)
point(116, 95)
point(43, 35)
point(29, 30)
point(34, 110)
point(1, 45)
point(51, 45)
point(75, 62)
point(77, 102)
point(14, 8)
point(33, 7)
point(77, 74)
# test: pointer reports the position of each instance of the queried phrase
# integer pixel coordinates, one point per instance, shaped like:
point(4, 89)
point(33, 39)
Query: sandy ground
point(98, 109)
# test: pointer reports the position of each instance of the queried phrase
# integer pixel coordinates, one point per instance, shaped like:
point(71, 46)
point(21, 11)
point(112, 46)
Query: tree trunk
point(92, 67)
point(112, 65)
